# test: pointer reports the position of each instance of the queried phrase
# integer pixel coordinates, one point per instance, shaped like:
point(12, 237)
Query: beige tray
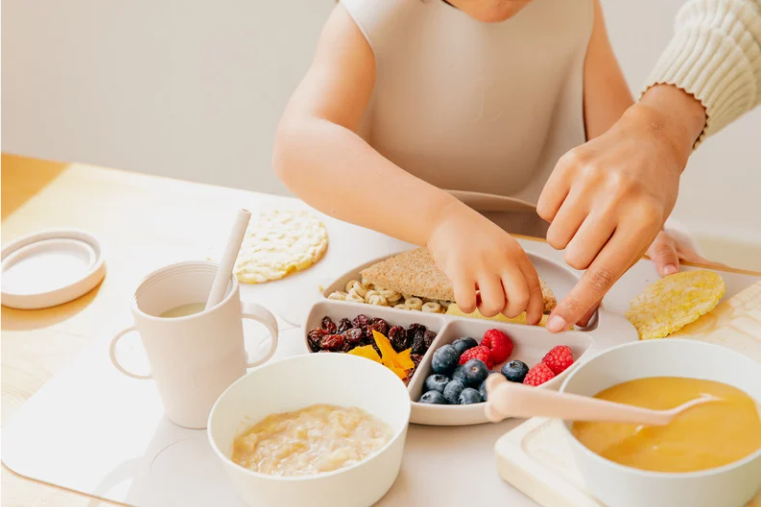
point(534, 457)
point(531, 342)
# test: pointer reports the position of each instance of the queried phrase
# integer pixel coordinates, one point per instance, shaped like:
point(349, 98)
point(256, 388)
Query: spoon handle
point(507, 399)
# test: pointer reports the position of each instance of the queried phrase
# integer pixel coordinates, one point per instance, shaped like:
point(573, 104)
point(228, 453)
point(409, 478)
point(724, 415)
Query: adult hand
point(667, 251)
point(606, 200)
point(488, 268)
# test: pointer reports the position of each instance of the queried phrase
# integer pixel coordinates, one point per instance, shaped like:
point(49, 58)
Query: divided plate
point(531, 342)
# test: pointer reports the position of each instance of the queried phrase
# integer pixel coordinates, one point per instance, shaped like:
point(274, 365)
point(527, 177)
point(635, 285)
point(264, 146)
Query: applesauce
point(706, 436)
point(313, 440)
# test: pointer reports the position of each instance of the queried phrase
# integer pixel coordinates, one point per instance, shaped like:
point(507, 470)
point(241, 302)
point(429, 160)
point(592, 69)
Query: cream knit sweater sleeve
point(715, 55)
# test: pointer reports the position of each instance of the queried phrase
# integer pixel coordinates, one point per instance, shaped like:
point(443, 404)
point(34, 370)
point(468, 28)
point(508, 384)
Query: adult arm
point(709, 75)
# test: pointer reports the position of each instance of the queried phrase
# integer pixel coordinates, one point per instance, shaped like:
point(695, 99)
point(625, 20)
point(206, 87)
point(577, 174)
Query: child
point(417, 114)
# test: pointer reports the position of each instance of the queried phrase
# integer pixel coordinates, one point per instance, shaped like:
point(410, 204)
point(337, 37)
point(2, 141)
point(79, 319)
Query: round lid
point(50, 268)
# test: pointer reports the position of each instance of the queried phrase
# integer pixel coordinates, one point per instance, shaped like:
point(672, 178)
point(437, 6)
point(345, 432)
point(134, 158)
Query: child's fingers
point(517, 291)
point(535, 305)
point(465, 293)
point(492, 296)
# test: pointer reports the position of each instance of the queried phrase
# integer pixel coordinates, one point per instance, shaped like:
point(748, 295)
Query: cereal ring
point(354, 298)
point(360, 289)
point(431, 307)
point(350, 285)
point(378, 300)
point(401, 307)
point(390, 295)
point(414, 303)
point(338, 296)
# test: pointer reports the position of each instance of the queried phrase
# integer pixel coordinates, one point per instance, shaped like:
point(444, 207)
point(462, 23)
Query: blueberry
point(468, 396)
point(482, 390)
point(463, 344)
point(436, 382)
point(445, 360)
point(476, 372)
point(459, 374)
point(433, 398)
point(515, 371)
point(452, 391)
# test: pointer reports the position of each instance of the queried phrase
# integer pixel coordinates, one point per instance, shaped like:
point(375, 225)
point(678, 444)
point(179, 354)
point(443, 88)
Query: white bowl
point(617, 485)
point(298, 382)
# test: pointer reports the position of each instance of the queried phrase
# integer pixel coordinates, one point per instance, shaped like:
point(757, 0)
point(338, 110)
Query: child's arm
point(322, 160)
point(606, 94)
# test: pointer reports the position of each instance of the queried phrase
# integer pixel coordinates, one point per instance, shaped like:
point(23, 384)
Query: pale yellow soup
point(313, 440)
point(706, 436)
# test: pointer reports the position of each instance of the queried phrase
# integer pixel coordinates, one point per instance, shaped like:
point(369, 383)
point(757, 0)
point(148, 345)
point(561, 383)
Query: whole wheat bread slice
point(413, 272)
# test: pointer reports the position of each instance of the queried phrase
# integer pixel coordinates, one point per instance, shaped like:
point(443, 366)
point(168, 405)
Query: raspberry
point(480, 352)
point(558, 359)
point(500, 344)
point(538, 375)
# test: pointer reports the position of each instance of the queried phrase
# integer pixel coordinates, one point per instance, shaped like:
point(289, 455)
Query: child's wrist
point(447, 213)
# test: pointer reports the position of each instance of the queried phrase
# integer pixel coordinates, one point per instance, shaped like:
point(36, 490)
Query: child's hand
point(476, 254)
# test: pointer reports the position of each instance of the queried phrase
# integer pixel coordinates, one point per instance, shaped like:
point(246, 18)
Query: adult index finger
point(607, 268)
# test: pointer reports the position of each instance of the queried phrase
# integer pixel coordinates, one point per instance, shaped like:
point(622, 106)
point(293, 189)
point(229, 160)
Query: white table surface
point(149, 462)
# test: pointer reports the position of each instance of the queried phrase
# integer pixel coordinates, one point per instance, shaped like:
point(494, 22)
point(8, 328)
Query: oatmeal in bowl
point(312, 430)
point(313, 440)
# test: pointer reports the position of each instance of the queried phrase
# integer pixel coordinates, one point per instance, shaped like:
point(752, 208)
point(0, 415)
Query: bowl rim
point(305, 357)
point(652, 473)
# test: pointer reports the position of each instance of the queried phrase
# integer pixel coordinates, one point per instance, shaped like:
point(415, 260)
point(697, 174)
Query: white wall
point(184, 88)
point(193, 89)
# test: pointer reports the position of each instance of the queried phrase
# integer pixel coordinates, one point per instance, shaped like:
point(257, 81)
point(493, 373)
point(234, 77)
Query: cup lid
point(50, 268)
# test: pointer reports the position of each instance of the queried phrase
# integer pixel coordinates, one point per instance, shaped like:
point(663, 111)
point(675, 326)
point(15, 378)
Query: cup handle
point(115, 361)
point(262, 315)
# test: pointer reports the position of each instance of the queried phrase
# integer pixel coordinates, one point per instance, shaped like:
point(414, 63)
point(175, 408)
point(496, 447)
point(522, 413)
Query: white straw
point(227, 262)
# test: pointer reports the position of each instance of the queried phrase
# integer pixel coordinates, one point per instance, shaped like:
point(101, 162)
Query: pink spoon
point(508, 399)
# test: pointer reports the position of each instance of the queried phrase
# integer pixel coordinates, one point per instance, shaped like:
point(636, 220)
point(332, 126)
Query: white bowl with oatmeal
point(338, 424)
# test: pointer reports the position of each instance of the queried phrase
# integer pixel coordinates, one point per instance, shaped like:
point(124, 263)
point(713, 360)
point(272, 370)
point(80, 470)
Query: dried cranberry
point(381, 326)
point(333, 342)
point(416, 358)
point(418, 343)
point(354, 336)
point(428, 338)
point(314, 337)
point(414, 328)
point(368, 331)
point(398, 338)
point(375, 346)
point(360, 321)
point(328, 325)
point(348, 346)
point(343, 325)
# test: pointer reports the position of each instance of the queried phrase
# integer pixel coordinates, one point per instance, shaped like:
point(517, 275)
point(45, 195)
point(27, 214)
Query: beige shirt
point(483, 110)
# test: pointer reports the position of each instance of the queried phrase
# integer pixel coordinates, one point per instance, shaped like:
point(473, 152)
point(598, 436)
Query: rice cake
point(278, 243)
point(671, 303)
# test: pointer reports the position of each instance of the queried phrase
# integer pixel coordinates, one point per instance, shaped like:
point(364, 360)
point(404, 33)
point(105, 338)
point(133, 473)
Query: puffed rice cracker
point(278, 243)
point(671, 303)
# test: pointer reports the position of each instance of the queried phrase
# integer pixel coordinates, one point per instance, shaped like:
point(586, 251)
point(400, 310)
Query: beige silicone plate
point(531, 342)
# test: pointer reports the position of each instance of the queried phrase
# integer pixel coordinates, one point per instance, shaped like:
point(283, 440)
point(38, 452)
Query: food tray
point(531, 342)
